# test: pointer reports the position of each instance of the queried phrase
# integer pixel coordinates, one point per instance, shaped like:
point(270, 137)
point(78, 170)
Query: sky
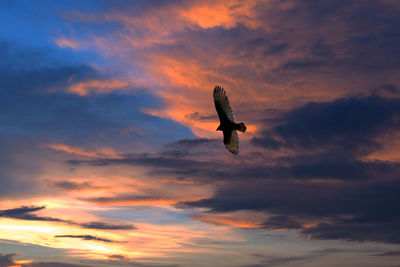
point(109, 149)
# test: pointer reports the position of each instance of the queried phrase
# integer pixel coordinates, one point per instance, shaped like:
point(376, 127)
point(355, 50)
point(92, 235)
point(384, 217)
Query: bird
point(227, 121)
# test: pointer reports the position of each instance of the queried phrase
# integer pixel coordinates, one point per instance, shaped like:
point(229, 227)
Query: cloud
point(37, 89)
point(304, 60)
point(238, 219)
point(70, 185)
point(97, 87)
point(280, 222)
point(269, 50)
point(354, 231)
point(25, 213)
point(7, 259)
point(348, 212)
point(149, 160)
point(55, 264)
point(86, 237)
point(100, 152)
point(273, 260)
point(107, 226)
point(156, 198)
point(268, 261)
point(393, 253)
point(328, 142)
point(173, 162)
point(190, 146)
point(350, 123)
point(196, 116)
point(64, 42)
point(189, 143)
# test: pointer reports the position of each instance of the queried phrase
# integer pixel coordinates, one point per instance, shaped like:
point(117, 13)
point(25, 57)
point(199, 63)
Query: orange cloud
point(97, 87)
point(100, 152)
point(182, 70)
point(64, 42)
point(237, 219)
point(227, 13)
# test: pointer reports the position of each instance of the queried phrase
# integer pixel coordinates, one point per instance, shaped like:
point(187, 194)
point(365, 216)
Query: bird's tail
point(242, 127)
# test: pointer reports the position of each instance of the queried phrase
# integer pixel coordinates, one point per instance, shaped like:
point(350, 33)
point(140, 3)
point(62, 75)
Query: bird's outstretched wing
point(231, 141)
point(222, 106)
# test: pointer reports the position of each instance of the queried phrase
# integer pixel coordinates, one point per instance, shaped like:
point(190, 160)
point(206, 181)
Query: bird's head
point(219, 128)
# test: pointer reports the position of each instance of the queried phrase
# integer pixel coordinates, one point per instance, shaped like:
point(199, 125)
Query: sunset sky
point(109, 149)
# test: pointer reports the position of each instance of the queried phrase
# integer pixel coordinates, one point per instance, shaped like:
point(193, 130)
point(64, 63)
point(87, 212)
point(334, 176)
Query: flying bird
point(227, 121)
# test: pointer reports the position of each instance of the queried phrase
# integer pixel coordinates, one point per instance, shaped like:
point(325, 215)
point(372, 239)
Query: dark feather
point(227, 121)
point(222, 106)
point(231, 141)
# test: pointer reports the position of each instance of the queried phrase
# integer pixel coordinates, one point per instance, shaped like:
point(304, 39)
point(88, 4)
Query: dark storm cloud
point(70, 185)
point(393, 253)
point(386, 89)
point(373, 202)
point(190, 147)
point(269, 261)
point(318, 166)
point(25, 213)
point(280, 222)
point(340, 168)
point(107, 226)
point(122, 198)
point(363, 37)
point(344, 130)
point(357, 212)
point(302, 64)
point(150, 160)
point(19, 211)
point(29, 71)
point(86, 237)
point(266, 260)
point(385, 232)
point(34, 80)
point(7, 259)
point(351, 123)
point(189, 143)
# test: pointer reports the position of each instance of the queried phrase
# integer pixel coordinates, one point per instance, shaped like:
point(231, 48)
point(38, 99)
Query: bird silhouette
point(227, 121)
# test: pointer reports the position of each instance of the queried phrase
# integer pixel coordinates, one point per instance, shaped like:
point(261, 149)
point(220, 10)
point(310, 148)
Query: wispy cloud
point(64, 42)
point(25, 213)
point(100, 152)
point(97, 87)
point(85, 237)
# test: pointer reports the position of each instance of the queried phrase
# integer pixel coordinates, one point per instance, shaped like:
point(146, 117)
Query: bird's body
point(227, 121)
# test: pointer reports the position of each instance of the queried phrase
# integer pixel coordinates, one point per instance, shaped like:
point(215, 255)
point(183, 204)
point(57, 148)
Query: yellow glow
point(23, 261)
point(42, 229)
